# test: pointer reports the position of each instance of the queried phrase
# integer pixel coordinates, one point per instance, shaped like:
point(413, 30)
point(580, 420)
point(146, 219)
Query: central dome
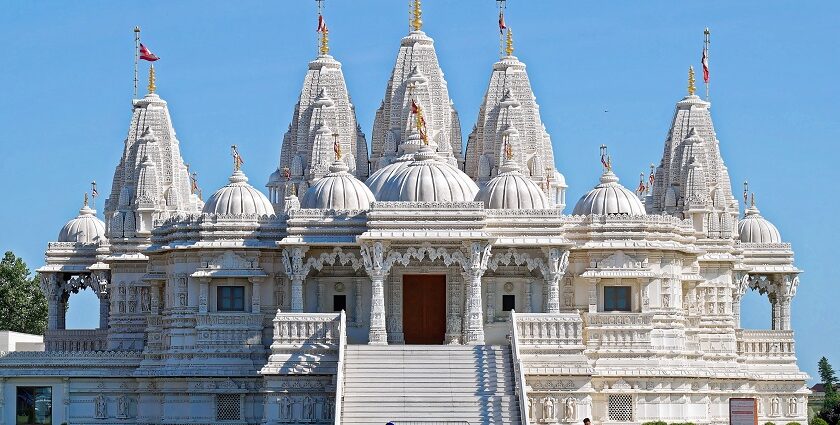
point(426, 179)
point(512, 190)
point(609, 197)
point(338, 190)
point(238, 198)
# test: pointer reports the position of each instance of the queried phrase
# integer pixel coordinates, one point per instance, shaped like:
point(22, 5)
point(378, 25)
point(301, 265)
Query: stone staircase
point(429, 384)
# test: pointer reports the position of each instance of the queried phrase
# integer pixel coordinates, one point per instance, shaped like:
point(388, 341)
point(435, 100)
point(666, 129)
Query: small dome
point(338, 190)
point(410, 147)
point(238, 198)
point(276, 178)
point(609, 197)
point(85, 228)
point(426, 179)
point(512, 190)
point(754, 228)
point(559, 179)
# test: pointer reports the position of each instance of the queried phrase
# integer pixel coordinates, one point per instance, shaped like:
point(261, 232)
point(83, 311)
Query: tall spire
point(152, 86)
point(691, 88)
point(416, 16)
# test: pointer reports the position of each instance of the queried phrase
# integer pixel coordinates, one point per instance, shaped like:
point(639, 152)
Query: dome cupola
point(86, 228)
point(511, 189)
point(609, 197)
point(754, 228)
point(238, 197)
point(338, 190)
point(427, 179)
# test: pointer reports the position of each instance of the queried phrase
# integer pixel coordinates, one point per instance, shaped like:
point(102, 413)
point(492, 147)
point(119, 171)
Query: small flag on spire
point(421, 122)
point(605, 159)
point(502, 25)
point(705, 61)
point(651, 177)
point(642, 188)
point(336, 147)
point(322, 24)
point(147, 54)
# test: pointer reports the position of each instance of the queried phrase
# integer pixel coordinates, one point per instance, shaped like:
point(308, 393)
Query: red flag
point(641, 188)
point(414, 107)
point(651, 178)
point(705, 61)
point(605, 161)
point(502, 25)
point(147, 54)
point(322, 25)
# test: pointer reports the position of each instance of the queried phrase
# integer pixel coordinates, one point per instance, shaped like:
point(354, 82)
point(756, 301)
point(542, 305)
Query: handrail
point(339, 373)
point(522, 394)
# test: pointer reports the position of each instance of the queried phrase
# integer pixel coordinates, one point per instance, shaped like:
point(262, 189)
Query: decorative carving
point(100, 407)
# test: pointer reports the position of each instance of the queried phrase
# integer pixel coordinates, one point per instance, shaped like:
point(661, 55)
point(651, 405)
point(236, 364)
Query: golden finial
point(325, 40)
point(509, 42)
point(691, 88)
point(416, 16)
point(86, 199)
point(336, 147)
point(508, 149)
point(237, 158)
point(152, 86)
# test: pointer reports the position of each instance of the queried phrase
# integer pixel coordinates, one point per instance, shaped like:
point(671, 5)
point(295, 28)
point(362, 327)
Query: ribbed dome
point(754, 228)
point(609, 197)
point(512, 190)
point(238, 198)
point(85, 228)
point(408, 149)
point(338, 190)
point(426, 179)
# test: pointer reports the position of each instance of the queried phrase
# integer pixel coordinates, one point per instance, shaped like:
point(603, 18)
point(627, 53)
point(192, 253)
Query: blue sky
point(231, 72)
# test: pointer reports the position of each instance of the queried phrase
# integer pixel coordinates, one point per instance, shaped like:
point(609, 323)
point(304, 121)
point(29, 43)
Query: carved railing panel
point(543, 329)
point(76, 340)
point(766, 345)
point(618, 330)
point(298, 329)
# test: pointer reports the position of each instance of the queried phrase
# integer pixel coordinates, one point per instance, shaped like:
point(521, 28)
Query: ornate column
point(774, 311)
point(558, 262)
point(203, 294)
point(491, 303)
point(528, 297)
point(294, 267)
point(256, 287)
point(741, 281)
point(479, 257)
point(52, 292)
point(374, 260)
point(786, 291)
point(593, 295)
point(320, 290)
point(357, 295)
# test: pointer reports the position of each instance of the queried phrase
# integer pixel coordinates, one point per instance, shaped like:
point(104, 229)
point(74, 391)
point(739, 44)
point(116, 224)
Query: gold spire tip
point(325, 42)
point(417, 16)
point(509, 42)
point(691, 87)
point(152, 86)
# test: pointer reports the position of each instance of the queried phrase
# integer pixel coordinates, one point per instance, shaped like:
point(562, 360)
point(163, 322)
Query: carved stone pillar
point(256, 287)
point(774, 311)
point(320, 291)
point(203, 296)
point(558, 262)
point(373, 256)
point(593, 295)
point(491, 303)
point(104, 309)
point(741, 282)
point(528, 297)
point(296, 270)
point(479, 257)
point(49, 286)
point(786, 290)
point(357, 311)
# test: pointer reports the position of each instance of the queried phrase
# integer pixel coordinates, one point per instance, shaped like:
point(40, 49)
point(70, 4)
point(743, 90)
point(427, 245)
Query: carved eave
point(225, 273)
point(325, 227)
point(618, 273)
point(154, 277)
point(514, 241)
point(439, 221)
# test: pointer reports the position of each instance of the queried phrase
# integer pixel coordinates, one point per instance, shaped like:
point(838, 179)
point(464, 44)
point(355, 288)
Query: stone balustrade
point(76, 340)
point(765, 345)
point(618, 330)
point(313, 329)
point(543, 329)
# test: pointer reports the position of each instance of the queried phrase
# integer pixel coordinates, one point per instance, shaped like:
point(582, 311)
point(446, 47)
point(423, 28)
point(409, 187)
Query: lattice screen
point(228, 407)
point(620, 408)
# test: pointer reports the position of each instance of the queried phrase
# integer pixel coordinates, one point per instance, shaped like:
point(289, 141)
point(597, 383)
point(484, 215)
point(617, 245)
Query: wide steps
point(447, 384)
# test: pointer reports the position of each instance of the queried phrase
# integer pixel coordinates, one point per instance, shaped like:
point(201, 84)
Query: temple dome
point(609, 197)
point(338, 190)
point(238, 198)
point(412, 144)
point(512, 190)
point(85, 228)
point(754, 228)
point(426, 179)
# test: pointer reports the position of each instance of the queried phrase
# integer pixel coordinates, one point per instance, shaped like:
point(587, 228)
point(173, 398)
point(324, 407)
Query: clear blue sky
point(231, 72)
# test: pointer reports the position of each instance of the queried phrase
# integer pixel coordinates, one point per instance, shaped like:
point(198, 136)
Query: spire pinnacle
point(752, 200)
point(746, 191)
point(237, 158)
point(325, 42)
point(152, 86)
point(691, 88)
point(606, 160)
point(86, 199)
point(416, 16)
point(509, 42)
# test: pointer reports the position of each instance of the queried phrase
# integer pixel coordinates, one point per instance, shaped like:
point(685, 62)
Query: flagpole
point(320, 14)
point(136, 56)
point(93, 193)
point(706, 42)
point(502, 6)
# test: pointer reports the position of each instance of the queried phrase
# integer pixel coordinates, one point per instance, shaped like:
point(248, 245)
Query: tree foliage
point(23, 307)
point(830, 411)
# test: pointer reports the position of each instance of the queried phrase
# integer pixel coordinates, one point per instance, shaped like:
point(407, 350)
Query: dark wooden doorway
point(424, 308)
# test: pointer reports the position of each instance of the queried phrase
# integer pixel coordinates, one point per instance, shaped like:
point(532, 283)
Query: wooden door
point(424, 309)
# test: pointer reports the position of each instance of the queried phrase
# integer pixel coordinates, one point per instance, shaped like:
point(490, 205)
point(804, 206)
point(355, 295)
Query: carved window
point(339, 303)
point(617, 298)
point(228, 407)
point(34, 405)
point(620, 407)
point(230, 298)
point(508, 302)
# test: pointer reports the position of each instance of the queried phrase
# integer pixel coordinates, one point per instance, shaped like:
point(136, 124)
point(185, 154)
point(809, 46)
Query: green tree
point(831, 406)
point(23, 307)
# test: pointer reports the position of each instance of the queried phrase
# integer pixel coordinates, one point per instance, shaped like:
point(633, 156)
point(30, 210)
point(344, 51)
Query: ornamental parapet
point(76, 340)
point(620, 331)
point(550, 330)
point(765, 345)
point(305, 343)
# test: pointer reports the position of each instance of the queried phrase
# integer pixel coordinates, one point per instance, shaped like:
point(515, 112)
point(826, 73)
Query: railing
point(297, 329)
point(76, 340)
point(521, 390)
point(559, 329)
point(765, 344)
point(618, 330)
point(339, 373)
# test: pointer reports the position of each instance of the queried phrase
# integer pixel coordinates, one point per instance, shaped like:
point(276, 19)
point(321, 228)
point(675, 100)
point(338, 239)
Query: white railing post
point(521, 390)
point(339, 373)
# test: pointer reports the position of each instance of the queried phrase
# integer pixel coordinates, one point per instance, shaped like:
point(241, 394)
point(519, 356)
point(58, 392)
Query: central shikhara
point(307, 305)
